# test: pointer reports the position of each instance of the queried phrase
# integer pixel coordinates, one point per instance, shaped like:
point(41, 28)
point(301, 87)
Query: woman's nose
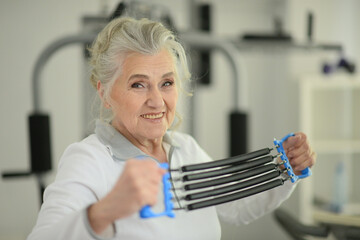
point(155, 98)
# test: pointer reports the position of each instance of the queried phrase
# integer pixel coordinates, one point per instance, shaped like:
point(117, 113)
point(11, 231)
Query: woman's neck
point(151, 147)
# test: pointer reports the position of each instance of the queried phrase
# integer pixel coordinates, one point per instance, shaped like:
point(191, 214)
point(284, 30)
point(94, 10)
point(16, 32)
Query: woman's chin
point(154, 133)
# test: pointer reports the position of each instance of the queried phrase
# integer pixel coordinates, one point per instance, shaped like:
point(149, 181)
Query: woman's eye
point(137, 85)
point(168, 83)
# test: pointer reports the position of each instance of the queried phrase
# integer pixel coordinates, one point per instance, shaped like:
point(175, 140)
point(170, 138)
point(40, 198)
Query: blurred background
point(279, 66)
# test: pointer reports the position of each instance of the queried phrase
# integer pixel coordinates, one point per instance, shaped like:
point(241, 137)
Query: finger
point(145, 193)
point(301, 167)
point(149, 195)
point(142, 179)
point(302, 150)
point(299, 163)
point(162, 171)
point(302, 162)
point(294, 141)
point(155, 175)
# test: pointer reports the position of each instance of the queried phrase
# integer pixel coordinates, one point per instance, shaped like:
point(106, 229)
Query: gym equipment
point(212, 183)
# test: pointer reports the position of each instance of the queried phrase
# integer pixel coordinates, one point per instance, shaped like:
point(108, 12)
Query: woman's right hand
point(137, 186)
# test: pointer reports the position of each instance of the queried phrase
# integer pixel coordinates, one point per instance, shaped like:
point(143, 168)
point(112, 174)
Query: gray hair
point(126, 35)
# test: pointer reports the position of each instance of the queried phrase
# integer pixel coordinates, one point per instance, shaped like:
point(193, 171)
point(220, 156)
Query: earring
point(107, 105)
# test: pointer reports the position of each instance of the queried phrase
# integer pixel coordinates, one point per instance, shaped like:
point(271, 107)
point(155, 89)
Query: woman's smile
point(153, 116)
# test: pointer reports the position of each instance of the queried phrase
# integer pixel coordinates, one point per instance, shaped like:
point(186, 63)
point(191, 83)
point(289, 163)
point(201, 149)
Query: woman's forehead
point(160, 63)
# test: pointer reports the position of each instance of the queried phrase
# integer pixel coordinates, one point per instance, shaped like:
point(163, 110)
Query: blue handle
point(304, 173)
point(146, 212)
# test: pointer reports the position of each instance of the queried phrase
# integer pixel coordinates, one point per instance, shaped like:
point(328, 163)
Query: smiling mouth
point(153, 116)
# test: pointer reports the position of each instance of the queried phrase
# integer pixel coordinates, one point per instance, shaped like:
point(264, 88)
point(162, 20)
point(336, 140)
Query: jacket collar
point(119, 147)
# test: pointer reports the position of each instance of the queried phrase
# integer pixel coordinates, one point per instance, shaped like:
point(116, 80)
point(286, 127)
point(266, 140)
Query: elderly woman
point(103, 181)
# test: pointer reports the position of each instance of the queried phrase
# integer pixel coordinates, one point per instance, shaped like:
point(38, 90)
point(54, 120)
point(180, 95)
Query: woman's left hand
point(299, 152)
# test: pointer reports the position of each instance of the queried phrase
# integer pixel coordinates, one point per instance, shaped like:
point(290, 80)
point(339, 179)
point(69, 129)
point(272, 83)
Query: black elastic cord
point(236, 196)
point(227, 161)
point(233, 187)
point(228, 170)
point(232, 178)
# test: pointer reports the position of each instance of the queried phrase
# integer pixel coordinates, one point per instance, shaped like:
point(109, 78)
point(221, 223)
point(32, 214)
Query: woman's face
point(144, 96)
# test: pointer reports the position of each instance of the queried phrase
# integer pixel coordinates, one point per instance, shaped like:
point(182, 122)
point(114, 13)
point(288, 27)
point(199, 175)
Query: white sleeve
point(248, 209)
point(79, 183)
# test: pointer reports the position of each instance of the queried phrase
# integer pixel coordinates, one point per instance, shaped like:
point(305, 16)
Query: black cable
point(227, 161)
point(236, 196)
point(233, 187)
point(232, 178)
point(228, 170)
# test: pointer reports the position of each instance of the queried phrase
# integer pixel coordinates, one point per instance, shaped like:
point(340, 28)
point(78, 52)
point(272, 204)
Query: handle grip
point(146, 211)
point(279, 146)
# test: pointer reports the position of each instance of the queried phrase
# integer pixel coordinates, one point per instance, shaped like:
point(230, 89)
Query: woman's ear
point(100, 91)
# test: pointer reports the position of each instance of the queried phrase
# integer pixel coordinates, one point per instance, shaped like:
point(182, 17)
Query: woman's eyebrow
point(138, 76)
point(169, 74)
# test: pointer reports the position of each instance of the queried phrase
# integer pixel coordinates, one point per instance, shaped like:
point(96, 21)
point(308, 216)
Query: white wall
point(28, 26)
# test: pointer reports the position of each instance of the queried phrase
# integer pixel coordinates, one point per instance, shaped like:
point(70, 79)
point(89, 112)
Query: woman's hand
point(299, 152)
point(137, 186)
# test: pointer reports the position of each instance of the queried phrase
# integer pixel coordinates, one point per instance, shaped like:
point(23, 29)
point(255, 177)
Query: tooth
point(150, 116)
